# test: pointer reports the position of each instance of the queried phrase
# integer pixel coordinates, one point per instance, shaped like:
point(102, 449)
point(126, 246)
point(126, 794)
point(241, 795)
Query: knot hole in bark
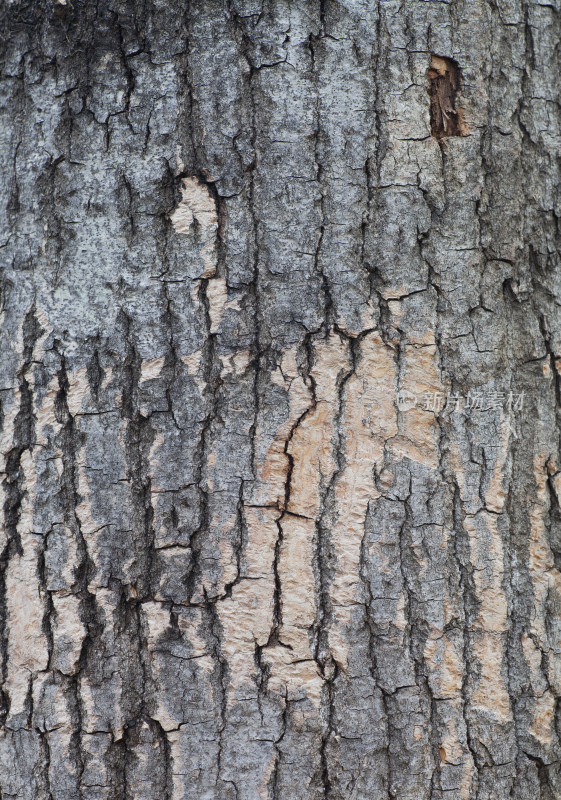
point(445, 82)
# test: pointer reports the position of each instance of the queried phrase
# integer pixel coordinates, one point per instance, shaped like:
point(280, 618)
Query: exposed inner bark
point(445, 83)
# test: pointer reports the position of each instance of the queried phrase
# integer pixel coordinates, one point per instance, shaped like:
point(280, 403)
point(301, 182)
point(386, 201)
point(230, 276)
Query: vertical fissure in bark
point(323, 567)
point(221, 672)
point(469, 603)
point(274, 782)
point(329, 308)
point(211, 400)
point(370, 626)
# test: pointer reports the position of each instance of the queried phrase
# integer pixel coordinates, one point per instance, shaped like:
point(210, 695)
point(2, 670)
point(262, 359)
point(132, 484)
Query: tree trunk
point(279, 381)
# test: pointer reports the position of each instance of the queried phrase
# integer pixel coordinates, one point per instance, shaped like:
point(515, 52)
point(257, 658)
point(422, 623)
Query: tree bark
point(279, 385)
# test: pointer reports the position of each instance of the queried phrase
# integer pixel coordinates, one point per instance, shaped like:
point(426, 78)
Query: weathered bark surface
point(234, 565)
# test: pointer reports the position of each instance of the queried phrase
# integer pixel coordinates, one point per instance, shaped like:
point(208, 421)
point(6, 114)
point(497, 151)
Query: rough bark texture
point(238, 559)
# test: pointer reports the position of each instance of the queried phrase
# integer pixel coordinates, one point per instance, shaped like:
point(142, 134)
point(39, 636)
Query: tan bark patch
point(489, 690)
point(27, 644)
point(151, 368)
point(218, 303)
point(543, 719)
point(419, 432)
point(69, 633)
point(78, 390)
point(369, 420)
point(246, 616)
point(446, 667)
point(495, 495)
point(312, 445)
point(198, 204)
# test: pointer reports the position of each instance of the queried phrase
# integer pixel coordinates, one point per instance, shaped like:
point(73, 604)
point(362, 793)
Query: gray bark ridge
point(279, 400)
